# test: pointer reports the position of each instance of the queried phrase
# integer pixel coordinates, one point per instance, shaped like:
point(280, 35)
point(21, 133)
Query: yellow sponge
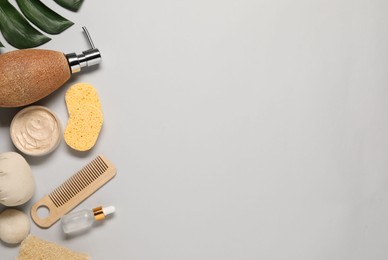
point(85, 117)
point(33, 248)
point(81, 93)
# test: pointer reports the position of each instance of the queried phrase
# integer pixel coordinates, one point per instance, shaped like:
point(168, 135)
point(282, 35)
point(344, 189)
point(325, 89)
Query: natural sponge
point(14, 226)
point(33, 248)
point(85, 117)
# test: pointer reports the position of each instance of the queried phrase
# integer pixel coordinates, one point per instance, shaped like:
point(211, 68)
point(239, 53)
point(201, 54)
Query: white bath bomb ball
point(14, 226)
point(17, 185)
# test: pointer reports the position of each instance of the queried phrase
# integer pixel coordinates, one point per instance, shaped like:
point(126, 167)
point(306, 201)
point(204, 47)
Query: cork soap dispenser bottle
point(30, 75)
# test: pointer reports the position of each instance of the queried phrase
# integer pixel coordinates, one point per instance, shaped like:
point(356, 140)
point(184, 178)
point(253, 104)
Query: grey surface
point(240, 129)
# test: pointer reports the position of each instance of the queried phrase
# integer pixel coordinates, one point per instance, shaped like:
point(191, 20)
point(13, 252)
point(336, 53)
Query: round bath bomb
point(14, 226)
point(17, 185)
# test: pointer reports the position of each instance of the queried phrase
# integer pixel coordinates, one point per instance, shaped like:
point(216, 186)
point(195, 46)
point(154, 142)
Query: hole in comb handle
point(43, 212)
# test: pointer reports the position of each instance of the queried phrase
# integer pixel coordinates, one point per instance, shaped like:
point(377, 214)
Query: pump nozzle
point(87, 58)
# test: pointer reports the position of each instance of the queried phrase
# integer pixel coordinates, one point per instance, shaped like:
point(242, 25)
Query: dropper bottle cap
point(100, 213)
point(88, 58)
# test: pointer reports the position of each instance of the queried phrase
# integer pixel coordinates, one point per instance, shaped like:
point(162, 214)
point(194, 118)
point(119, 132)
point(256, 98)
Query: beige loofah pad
point(33, 248)
point(85, 117)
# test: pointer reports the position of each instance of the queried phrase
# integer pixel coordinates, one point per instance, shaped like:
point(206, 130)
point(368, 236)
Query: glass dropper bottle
point(82, 220)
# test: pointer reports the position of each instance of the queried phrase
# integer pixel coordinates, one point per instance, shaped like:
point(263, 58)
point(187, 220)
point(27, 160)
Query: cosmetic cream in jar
point(36, 131)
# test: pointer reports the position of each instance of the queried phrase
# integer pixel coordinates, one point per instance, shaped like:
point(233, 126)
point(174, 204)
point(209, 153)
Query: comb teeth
point(79, 181)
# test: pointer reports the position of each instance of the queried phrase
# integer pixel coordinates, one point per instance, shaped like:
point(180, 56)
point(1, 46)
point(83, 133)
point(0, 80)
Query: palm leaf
point(72, 5)
point(18, 32)
point(43, 17)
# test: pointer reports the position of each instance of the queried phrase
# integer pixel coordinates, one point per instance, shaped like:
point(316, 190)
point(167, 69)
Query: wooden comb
point(73, 191)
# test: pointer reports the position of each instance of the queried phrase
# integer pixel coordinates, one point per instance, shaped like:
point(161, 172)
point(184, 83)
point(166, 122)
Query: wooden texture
point(30, 75)
point(73, 191)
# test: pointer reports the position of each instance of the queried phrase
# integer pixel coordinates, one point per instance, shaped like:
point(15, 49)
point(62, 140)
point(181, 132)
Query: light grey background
point(241, 129)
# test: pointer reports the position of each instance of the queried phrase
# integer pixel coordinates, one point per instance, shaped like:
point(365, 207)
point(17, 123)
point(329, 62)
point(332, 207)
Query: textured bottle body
point(77, 221)
point(30, 75)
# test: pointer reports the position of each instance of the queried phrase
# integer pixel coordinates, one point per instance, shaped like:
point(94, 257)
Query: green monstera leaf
point(43, 17)
point(72, 5)
point(19, 33)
